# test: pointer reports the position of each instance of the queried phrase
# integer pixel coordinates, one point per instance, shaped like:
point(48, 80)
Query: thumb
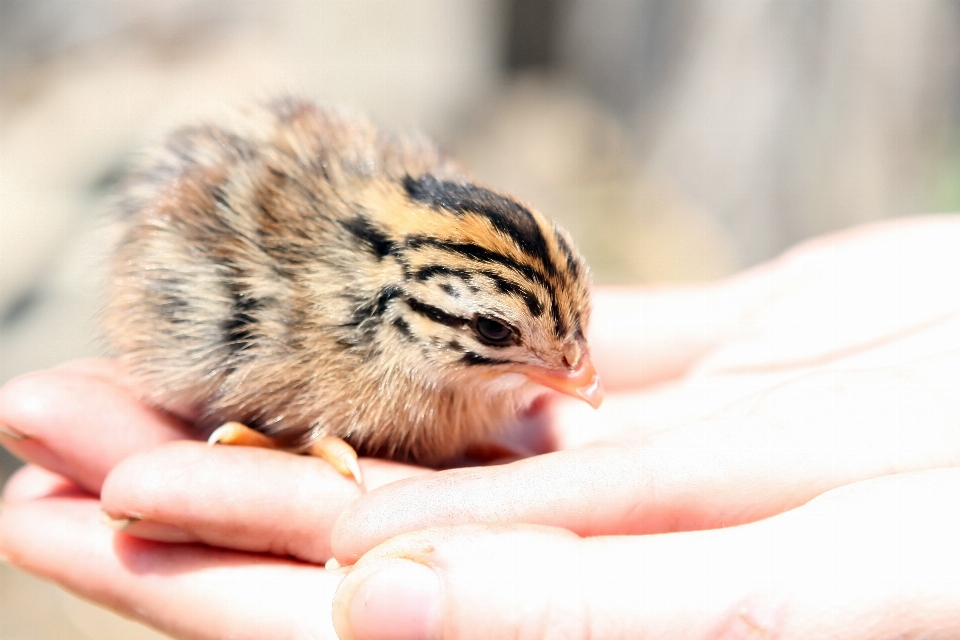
point(525, 581)
point(871, 559)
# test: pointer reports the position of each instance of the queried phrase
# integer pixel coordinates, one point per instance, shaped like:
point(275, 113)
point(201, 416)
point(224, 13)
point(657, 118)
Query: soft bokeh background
point(676, 139)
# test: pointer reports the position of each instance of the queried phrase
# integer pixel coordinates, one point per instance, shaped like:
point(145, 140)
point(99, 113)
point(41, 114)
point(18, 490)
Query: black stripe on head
point(558, 324)
point(375, 239)
point(449, 290)
point(572, 265)
point(425, 273)
point(475, 358)
point(437, 315)
point(506, 215)
point(480, 254)
point(374, 308)
point(505, 286)
point(403, 328)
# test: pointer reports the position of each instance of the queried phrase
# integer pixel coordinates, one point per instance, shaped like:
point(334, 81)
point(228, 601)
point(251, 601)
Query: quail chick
point(321, 282)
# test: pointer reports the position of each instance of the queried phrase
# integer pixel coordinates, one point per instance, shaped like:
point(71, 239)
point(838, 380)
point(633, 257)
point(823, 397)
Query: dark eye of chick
point(493, 332)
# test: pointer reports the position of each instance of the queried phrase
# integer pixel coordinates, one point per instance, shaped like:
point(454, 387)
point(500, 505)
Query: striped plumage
point(307, 274)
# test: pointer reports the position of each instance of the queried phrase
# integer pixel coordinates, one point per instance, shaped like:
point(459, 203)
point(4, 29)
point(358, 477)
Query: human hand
point(845, 366)
point(875, 559)
point(836, 363)
point(76, 423)
point(809, 573)
point(682, 493)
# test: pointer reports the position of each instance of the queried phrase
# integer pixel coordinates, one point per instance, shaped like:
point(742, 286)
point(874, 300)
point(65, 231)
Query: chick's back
point(244, 260)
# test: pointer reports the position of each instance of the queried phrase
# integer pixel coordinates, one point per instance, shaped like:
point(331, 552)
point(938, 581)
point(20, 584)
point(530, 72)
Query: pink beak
point(581, 382)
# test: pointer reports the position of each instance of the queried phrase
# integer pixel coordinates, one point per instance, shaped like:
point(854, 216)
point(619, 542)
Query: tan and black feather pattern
point(309, 275)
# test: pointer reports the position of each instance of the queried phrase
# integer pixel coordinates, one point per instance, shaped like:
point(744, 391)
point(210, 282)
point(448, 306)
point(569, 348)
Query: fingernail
point(10, 432)
point(117, 524)
point(393, 600)
point(334, 565)
point(149, 530)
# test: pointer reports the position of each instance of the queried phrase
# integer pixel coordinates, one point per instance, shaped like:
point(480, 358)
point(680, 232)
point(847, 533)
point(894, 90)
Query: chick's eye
point(493, 331)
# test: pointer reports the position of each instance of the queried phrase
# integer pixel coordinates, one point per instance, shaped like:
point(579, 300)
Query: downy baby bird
point(308, 282)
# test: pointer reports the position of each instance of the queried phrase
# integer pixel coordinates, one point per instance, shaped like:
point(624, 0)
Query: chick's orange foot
point(337, 452)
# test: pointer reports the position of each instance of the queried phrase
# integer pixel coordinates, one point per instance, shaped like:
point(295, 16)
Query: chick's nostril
point(571, 354)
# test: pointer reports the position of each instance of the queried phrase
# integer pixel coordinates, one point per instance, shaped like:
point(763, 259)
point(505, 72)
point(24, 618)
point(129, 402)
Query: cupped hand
point(837, 363)
point(875, 559)
point(825, 385)
point(79, 423)
point(52, 527)
point(730, 403)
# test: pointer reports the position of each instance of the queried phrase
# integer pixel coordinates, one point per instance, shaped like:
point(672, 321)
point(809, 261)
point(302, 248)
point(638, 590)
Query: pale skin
point(813, 402)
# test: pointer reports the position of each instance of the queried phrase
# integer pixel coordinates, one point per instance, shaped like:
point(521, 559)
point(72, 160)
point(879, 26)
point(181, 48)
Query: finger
point(113, 372)
point(187, 591)
point(851, 290)
point(31, 482)
point(105, 369)
point(810, 573)
point(242, 498)
point(773, 452)
point(80, 423)
point(855, 298)
point(564, 423)
point(643, 335)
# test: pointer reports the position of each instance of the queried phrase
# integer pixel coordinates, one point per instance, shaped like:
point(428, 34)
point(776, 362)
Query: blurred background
point(677, 140)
